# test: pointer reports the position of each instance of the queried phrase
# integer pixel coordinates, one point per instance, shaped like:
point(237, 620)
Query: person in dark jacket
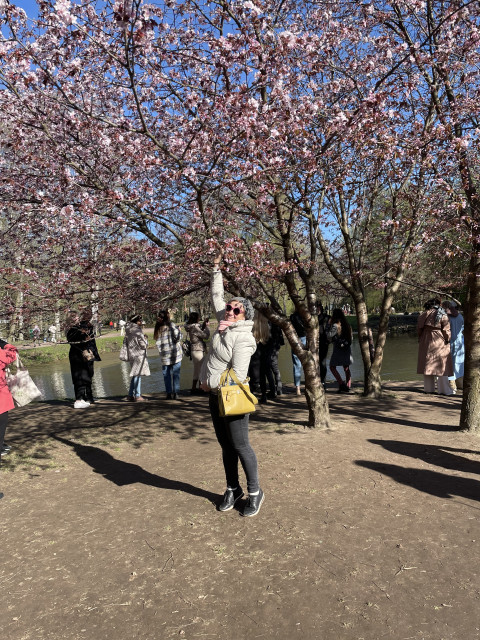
point(260, 369)
point(83, 353)
point(340, 333)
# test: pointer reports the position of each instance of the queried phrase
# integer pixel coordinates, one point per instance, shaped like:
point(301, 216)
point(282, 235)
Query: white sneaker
point(81, 404)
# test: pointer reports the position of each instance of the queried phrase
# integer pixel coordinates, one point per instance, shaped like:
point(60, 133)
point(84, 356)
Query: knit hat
point(248, 306)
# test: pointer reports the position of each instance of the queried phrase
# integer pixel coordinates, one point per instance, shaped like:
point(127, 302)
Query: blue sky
point(30, 6)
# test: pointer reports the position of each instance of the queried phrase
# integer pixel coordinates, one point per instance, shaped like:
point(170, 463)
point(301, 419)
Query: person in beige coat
point(434, 356)
point(197, 334)
point(232, 346)
point(137, 344)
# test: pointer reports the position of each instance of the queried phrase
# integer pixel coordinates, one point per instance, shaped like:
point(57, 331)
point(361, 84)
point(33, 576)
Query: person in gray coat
point(232, 346)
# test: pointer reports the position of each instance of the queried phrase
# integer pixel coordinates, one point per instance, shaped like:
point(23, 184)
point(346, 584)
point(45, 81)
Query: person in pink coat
point(8, 354)
point(434, 356)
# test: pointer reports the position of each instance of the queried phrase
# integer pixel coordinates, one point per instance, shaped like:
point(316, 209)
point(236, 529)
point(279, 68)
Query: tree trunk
point(363, 332)
point(57, 322)
point(470, 415)
point(16, 322)
point(318, 413)
point(372, 382)
point(94, 307)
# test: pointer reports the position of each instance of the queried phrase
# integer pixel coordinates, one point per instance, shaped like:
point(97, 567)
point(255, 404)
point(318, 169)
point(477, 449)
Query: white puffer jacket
point(232, 347)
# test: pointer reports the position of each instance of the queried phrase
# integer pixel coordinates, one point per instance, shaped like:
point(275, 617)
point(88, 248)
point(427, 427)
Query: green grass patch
point(55, 352)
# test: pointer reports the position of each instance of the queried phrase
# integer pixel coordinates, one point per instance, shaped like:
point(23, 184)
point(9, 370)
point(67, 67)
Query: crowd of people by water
point(245, 345)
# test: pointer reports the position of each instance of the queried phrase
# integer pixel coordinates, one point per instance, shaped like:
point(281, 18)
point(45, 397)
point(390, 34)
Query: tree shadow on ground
point(424, 397)
point(109, 421)
point(410, 387)
point(454, 402)
point(124, 473)
point(432, 482)
point(41, 419)
point(359, 413)
point(279, 418)
point(112, 421)
point(433, 454)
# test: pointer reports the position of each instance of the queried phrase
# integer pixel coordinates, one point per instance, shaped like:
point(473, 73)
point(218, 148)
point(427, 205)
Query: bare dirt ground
point(371, 531)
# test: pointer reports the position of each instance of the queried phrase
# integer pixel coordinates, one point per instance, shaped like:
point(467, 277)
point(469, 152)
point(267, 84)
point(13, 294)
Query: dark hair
point(433, 302)
point(193, 317)
point(135, 318)
point(72, 319)
point(339, 316)
point(163, 320)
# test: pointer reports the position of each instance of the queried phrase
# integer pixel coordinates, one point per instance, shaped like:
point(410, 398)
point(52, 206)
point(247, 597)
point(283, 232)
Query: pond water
point(112, 376)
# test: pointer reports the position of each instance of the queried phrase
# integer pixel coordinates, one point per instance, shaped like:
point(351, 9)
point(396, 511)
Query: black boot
point(230, 497)
point(253, 505)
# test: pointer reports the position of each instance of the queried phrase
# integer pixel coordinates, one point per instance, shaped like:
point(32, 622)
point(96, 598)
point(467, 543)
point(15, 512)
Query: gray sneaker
point(230, 497)
point(253, 504)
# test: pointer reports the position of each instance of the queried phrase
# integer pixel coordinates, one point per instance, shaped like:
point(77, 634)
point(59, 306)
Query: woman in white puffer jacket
point(232, 346)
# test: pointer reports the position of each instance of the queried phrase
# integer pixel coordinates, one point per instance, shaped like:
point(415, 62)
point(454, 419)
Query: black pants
point(266, 372)
point(232, 435)
point(275, 369)
point(260, 370)
point(254, 371)
point(82, 374)
point(322, 356)
point(3, 427)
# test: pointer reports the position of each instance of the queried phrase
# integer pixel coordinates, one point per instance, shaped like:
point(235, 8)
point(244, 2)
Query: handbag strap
point(19, 364)
point(230, 373)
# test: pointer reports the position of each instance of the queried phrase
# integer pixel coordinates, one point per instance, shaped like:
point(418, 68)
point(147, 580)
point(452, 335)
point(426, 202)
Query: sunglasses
point(236, 310)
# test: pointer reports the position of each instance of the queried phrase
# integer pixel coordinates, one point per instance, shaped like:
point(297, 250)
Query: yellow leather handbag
point(234, 399)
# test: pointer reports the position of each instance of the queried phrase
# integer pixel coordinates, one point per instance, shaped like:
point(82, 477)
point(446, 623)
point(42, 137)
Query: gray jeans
point(232, 435)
